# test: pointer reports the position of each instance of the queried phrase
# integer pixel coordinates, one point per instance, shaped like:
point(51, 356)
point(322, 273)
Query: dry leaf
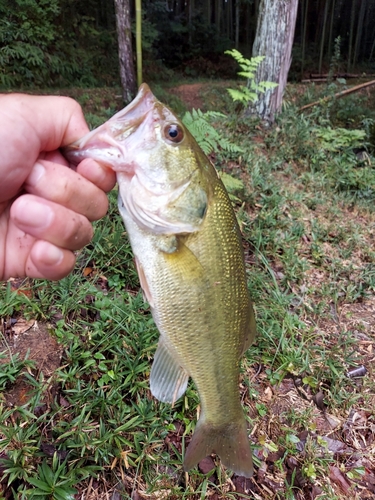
point(333, 421)
point(87, 271)
point(338, 477)
point(22, 325)
point(268, 393)
point(206, 465)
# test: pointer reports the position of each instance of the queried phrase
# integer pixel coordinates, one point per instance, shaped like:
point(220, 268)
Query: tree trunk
point(330, 36)
point(138, 40)
point(125, 51)
point(274, 40)
point(326, 7)
point(237, 24)
point(218, 15)
point(208, 11)
point(249, 30)
point(372, 50)
point(351, 35)
point(304, 32)
point(190, 20)
point(358, 37)
point(229, 19)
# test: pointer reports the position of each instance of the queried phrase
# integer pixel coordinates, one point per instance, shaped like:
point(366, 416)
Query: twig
point(338, 95)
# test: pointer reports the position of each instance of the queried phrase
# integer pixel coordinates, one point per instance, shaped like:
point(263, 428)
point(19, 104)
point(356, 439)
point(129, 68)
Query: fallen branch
point(315, 80)
point(338, 95)
point(314, 76)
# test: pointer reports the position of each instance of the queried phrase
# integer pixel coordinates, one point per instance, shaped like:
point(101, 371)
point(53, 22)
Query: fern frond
point(230, 147)
point(263, 86)
point(247, 74)
point(208, 138)
point(249, 68)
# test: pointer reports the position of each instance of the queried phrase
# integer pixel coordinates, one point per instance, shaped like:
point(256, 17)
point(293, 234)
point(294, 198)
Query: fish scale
point(189, 257)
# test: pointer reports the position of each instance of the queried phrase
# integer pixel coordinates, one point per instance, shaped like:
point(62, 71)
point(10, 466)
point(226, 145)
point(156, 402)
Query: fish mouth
point(104, 143)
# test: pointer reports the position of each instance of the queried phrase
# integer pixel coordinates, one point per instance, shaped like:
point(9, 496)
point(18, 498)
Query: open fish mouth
point(105, 143)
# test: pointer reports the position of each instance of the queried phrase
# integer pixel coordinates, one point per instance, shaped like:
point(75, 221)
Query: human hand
point(45, 207)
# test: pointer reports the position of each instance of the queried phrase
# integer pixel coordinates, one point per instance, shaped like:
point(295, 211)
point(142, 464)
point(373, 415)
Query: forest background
point(74, 42)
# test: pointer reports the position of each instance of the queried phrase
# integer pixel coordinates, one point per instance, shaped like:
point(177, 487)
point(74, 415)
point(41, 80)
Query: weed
point(11, 368)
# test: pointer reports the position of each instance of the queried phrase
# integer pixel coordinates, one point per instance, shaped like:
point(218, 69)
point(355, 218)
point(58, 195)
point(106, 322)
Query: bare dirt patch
point(31, 339)
point(190, 95)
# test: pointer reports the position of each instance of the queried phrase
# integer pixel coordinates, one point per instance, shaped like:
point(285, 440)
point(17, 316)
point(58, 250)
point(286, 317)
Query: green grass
point(307, 217)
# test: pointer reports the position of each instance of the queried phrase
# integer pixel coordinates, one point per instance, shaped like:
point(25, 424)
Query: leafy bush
point(334, 139)
point(41, 47)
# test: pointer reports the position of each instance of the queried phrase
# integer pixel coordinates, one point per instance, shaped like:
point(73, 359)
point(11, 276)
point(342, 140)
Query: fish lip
point(134, 113)
point(144, 99)
point(108, 135)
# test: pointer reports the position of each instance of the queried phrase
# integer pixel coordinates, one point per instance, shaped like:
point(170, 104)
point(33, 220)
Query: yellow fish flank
point(189, 257)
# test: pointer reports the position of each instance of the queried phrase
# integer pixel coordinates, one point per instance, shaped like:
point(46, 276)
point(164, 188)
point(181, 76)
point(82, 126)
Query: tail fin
point(229, 441)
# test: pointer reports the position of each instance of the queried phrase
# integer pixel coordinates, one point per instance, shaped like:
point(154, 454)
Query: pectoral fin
point(184, 263)
point(168, 379)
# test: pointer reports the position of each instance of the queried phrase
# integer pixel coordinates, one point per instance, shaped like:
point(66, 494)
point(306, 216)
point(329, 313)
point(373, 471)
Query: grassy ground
point(77, 419)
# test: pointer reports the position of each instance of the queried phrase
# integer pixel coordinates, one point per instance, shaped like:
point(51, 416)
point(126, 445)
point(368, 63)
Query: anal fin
point(168, 379)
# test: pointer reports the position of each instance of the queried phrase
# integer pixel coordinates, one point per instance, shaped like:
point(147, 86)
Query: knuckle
point(79, 232)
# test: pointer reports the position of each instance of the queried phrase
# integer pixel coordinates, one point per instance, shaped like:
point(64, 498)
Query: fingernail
point(33, 213)
point(37, 172)
point(51, 255)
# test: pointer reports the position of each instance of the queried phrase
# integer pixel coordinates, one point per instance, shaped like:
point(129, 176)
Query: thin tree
point(125, 50)
point(323, 34)
point(218, 9)
point(330, 36)
point(358, 37)
point(274, 40)
point(305, 10)
point(351, 34)
point(372, 50)
point(138, 39)
point(237, 24)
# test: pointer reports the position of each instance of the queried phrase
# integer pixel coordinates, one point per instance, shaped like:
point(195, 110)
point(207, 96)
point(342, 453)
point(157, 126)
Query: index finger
point(31, 124)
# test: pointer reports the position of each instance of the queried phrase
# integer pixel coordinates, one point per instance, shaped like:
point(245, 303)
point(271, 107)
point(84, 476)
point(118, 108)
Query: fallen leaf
point(87, 271)
point(335, 446)
point(333, 421)
point(206, 465)
point(319, 401)
point(338, 477)
point(63, 402)
point(268, 393)
point(21, 286)
point(242, 484)
point(49, 450)
point(22, 326)
point(262, 471)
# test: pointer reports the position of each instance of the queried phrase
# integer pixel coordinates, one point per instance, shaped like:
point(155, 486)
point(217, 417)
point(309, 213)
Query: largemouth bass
point(190, 262)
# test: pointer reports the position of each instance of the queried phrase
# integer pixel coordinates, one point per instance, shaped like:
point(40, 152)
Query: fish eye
point(174, 133)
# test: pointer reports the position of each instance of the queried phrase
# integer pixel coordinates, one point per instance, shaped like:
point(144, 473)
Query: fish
point(190, 261)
